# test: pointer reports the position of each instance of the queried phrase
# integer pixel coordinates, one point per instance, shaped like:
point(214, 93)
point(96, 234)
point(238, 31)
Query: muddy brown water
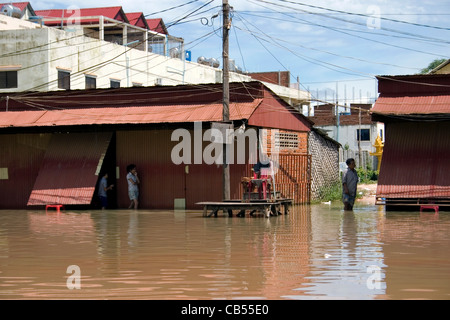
point(315, 252)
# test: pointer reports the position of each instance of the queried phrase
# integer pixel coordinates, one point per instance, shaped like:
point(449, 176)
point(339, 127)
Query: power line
point(297, 20)
point(338, 55)
point(189, 14)
point(171, 8)
point(90, 67)
point(360, 37)
point(360, 14)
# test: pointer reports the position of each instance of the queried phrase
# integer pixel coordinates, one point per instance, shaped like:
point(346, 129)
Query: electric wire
point(361, 14)
point(86, 69)
point(352, 35)
point(335, 54)
point(208, 3)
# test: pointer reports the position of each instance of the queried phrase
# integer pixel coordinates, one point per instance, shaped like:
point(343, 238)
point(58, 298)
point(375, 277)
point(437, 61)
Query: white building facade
point(353, 129)
point(34, 57)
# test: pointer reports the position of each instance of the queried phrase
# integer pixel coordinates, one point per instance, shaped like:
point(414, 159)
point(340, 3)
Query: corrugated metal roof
point(416, 161)
point(70, 168)
point(404, 105)
point(127, 115)
point(414, 85)
point(172, 104)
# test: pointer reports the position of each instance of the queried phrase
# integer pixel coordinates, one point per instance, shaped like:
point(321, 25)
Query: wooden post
point(226, 95)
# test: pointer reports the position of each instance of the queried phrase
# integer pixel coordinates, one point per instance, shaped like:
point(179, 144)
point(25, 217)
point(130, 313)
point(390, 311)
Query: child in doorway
point(103, 189)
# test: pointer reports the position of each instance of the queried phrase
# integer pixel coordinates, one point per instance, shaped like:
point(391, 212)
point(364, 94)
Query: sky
point(335, 48)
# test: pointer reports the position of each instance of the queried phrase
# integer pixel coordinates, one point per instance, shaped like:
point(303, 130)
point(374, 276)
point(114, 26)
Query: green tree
point(433, 64)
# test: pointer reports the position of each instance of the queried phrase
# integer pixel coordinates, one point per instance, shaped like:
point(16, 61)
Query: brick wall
point(281, 78)
point(290, 151)
point(286, 142)
point(325, 115)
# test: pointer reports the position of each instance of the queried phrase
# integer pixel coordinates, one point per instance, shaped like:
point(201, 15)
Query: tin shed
point(70, 137)
point(415, 166)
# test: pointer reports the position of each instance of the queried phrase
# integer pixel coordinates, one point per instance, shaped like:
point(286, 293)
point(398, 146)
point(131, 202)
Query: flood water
point(315, 252)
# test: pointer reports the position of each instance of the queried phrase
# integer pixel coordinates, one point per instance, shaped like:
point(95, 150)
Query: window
point(63, 80)
point(365, 135)
point(91, 82)
point(8, 79)
point(114, 83)
point(285, 140)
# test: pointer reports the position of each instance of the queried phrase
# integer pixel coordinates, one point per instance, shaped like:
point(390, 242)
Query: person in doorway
point(103, 189)
point(133, 189)
point(349, 185)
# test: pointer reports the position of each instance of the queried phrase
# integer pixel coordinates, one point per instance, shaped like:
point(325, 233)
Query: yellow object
point(378, 151)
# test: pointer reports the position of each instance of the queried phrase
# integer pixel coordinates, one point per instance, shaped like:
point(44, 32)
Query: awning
point(70, 169)
point(409, 105)
point(127, 115)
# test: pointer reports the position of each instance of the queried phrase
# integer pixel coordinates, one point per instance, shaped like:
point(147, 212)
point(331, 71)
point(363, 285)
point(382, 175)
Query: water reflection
point(316, 252)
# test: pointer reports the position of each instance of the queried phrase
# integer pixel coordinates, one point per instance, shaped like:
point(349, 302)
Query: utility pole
point(226, 95)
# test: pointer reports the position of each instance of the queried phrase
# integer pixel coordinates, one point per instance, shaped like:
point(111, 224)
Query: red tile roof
point(157, 25)
point(20, 5)
point(137, 19)
point(115, 13)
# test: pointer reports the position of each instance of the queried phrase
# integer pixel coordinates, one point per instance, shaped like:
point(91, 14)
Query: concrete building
point(102, 49)
point(20, 10)
point(353, 128)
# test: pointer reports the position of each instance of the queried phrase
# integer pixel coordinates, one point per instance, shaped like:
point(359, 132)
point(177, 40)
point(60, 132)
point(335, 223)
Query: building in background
point(72, 49)
point(443, 68)
point(353, 128)
point(18, 10)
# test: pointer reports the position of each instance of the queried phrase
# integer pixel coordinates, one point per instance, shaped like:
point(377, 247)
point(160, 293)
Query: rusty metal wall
point(162, 181)
point(149, 150)
point(70, 168)
point(21, 156)
point(275, 113)
point(416, 161)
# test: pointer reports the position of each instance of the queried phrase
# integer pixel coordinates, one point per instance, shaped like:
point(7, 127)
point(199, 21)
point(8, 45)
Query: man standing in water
point(349, 185)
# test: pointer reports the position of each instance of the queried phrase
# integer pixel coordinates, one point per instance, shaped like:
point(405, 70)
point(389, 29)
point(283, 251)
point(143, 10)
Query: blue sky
point(329, 45)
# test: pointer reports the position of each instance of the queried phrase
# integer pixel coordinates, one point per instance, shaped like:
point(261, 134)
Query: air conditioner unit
point(158, 82)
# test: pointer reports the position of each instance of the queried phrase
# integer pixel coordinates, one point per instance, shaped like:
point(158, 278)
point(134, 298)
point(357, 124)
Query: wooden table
point(266, 207)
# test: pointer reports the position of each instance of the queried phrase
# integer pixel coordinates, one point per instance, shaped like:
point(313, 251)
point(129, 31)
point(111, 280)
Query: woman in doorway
point(133, 189)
